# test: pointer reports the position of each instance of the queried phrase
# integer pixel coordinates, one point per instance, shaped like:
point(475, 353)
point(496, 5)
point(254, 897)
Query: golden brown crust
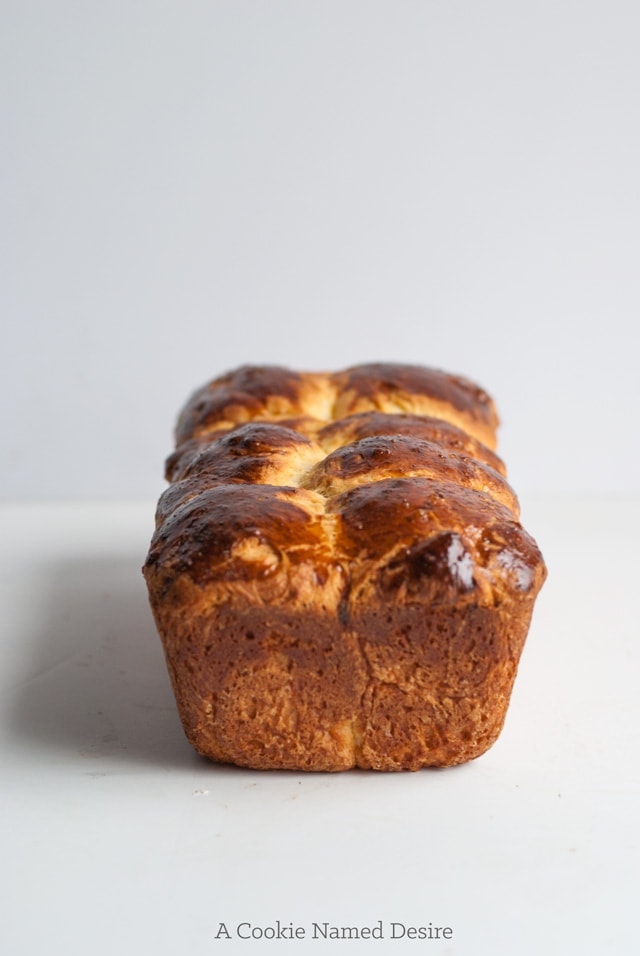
point(250, 393)
point(338, 572)
point(379, 457)
point(369, 424)
point(389, 387)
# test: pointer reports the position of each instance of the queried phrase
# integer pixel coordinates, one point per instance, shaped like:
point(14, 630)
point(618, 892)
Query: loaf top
point(322, 491)
point(274, 393)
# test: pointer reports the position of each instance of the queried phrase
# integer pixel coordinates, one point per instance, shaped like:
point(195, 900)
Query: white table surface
point(117, 838)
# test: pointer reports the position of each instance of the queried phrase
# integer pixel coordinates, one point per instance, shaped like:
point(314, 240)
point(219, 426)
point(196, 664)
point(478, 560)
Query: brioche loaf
point(338, 573)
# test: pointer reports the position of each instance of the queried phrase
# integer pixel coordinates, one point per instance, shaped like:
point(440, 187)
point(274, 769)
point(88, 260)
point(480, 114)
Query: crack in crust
point(338, 572)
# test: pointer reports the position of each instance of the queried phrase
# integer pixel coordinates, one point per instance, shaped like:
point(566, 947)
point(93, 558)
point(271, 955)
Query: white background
point(187, 186)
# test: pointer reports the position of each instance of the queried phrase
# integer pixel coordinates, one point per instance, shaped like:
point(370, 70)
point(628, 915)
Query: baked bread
point(338, 573)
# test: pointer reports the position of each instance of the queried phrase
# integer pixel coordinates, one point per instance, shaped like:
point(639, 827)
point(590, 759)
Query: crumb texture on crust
point(338, 572)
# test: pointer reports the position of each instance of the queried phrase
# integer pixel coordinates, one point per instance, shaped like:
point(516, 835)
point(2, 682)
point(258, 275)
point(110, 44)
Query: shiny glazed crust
point(338, 573)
